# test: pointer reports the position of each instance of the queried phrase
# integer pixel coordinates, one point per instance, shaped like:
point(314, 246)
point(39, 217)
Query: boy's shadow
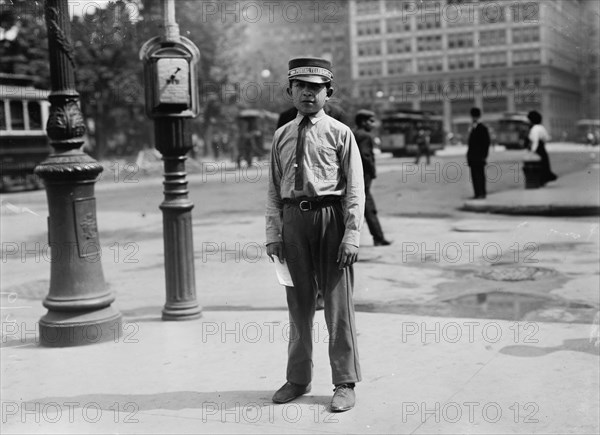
point(211, 403)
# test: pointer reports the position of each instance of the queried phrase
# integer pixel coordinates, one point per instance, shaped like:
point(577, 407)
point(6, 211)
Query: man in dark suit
point(479, 145)
point(365, 120)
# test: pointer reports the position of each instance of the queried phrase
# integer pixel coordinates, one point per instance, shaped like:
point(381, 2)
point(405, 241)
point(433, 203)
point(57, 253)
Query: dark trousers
point(371, 212)
point(423, 151)
point(311, 241)
point(478, 178)
point(547, 174)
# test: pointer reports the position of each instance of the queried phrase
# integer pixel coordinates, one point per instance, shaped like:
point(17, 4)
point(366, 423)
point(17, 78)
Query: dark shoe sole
point(341, 409)
point(280, 402)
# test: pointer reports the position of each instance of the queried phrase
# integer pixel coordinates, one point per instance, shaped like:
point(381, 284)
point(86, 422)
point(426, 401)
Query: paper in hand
point(283, 273)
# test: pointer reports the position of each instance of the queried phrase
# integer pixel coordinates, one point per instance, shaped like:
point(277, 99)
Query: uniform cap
point(310, 69)
point(366, 113)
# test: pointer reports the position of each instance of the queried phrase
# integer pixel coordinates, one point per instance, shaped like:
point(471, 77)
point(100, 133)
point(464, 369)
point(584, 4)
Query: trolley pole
point(79, 301)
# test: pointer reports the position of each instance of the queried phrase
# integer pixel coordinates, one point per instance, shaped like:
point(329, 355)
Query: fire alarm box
point(170, 78)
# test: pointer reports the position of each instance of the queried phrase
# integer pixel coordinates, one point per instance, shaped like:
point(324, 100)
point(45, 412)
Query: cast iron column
point(79, 301)
point(173, 140)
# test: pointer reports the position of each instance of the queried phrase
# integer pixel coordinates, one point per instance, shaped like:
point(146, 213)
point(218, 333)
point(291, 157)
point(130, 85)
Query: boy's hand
point(347, 255)
point(275, 248)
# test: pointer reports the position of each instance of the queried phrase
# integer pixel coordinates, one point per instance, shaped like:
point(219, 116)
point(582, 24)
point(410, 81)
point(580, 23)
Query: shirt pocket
point(328, 165)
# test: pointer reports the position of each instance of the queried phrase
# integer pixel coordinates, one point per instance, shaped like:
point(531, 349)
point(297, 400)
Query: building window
point(369, 69)
point(492, 60)
point(372, 48)
point(429, 43)
point(365, 28)
point(529, 81)
point(397, 25)
point(399, 5)
point(457, 15)
point(491, 12)
point(492, 85)
point(492, 37)
point(398, 67)
point(525, 12)
point(460, 40)
point(366, 7)
point(16, 115)
point(459, 62)
point(461, 106)
point(35, 115)
point(526, 57)
point(429, 64)
point(398, 45)
point(525, 34)
point(493, 103)
point(429, 20)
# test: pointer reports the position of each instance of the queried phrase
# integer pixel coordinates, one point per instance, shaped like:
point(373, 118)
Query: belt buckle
point(304, 204)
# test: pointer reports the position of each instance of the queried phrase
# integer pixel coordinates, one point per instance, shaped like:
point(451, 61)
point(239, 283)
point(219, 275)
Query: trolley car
point(23, 140)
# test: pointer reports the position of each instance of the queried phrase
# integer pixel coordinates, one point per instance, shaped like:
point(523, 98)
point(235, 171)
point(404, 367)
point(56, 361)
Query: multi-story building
point(306, 27)
point(590, 60)
point(447, 56)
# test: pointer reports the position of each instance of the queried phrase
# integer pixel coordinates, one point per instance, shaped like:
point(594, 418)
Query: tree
point(23, 41)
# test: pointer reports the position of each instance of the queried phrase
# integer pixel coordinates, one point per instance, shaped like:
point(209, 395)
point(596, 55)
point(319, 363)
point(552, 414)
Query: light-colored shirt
point(332, 166)
point(536, 134)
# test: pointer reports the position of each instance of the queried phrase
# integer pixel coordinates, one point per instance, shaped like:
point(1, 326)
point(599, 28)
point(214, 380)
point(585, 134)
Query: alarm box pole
point(170, 65)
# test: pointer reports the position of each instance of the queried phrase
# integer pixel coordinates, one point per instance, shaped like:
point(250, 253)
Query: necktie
point(299, 178)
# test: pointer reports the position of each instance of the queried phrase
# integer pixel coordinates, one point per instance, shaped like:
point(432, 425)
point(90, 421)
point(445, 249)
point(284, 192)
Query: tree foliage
point(109, 73)
point(23, 44)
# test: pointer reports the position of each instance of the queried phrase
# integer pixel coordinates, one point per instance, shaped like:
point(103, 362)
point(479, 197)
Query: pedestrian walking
point(365, 121)
point(538, 136)
point(477, 153)
point(315, 208)
point(423, 139)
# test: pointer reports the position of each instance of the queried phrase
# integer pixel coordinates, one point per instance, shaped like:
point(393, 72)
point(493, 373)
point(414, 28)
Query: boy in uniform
point(315, 208)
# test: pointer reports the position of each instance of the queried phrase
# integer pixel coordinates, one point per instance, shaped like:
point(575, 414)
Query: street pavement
point(483, 324)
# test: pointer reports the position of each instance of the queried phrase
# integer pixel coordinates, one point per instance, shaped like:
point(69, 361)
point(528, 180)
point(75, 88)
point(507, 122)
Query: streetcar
point(23, 141)
point(588, 131)
point(511, 130)
point(399, 131)
point(256, 128)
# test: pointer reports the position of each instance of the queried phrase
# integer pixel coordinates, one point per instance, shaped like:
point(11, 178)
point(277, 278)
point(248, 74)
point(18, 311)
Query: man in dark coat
point(479, 145)
point(365, 119)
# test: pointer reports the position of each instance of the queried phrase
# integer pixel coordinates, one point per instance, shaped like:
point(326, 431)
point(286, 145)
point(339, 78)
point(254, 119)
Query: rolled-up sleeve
point(274, 201)
point(354, 199)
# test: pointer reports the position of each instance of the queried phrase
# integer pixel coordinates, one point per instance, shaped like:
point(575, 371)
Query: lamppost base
point(66, 329)
point(185, 312)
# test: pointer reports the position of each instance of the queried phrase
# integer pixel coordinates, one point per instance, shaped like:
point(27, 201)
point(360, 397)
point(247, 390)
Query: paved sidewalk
point(217, 375)
point(421, 374)
point(576, 194)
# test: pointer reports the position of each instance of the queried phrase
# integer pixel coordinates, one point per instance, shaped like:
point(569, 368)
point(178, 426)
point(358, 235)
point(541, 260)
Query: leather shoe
point(289, 392)
point(382, 242)
point(343, 398)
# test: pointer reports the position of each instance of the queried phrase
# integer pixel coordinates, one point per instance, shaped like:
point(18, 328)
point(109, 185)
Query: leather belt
point(307, 204)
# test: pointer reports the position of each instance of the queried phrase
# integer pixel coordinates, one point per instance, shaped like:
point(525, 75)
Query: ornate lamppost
point(170, 65)
point(79, 301)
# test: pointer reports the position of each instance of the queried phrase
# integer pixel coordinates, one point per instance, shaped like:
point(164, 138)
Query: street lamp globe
point(265, 73)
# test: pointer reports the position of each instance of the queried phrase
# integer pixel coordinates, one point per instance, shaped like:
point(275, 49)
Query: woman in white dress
point(538, 136)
